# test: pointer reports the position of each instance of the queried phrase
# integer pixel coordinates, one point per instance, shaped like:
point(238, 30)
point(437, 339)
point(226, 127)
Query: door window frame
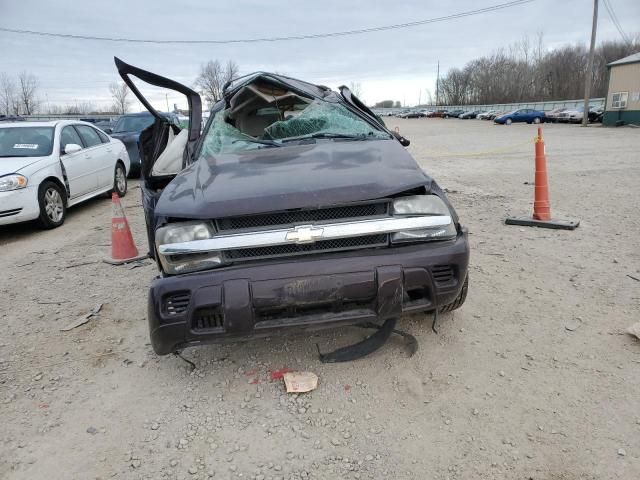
point(73, 127)
point(82, 138)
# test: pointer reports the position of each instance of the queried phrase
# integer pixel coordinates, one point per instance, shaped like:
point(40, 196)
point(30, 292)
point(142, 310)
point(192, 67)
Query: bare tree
point(429, 96)
point(7, 95)
point(356, 88)
point(120, 95)
point(213, 77)
point(27, 92)
point(231, 71)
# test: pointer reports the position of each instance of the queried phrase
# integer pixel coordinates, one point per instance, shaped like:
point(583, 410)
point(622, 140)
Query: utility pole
point(166, 97)
point(588, 76)
point(438, 85)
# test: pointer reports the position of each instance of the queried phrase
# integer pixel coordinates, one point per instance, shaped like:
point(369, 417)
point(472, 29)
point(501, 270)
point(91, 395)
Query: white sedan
point(46, 167)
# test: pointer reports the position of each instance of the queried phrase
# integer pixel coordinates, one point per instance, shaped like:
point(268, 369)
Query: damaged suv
point(294, 207)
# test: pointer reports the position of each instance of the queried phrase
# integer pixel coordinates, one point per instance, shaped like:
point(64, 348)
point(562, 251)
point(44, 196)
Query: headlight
point(187, 232)
point(421, 205)
point(12, 182)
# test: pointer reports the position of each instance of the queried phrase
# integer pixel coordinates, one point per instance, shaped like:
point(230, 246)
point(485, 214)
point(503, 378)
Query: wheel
point(536, 120)
point(508, 121)
point(53, 207)
point(457, 303)
point(120, 180)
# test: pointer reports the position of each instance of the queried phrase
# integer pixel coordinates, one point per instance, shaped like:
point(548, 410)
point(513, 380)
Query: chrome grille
point(301, 217)
point(322, 246)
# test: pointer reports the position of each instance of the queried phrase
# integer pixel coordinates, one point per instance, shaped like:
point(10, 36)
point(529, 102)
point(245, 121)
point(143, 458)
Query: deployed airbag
point(170, 160)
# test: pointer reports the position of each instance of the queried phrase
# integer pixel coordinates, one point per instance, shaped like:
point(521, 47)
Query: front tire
point(508, 121)
point(457, 303)
point(536, 120)
point(53, 207)
point(120, 180)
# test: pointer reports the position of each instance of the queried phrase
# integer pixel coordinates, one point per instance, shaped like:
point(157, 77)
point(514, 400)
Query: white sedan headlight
point(12, 182)
point(187, 232)
point(421, 205)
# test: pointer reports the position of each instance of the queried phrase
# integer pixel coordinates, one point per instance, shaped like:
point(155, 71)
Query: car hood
point(15, 164)
point(297, 176)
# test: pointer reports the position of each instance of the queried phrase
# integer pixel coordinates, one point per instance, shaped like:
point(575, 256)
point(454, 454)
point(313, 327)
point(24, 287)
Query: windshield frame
point(30, 153)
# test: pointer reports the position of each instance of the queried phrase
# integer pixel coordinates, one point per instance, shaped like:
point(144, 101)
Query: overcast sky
point(396, 64)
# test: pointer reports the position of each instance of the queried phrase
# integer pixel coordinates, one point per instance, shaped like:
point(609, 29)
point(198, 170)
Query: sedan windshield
point(133, 123)
point(26, 141)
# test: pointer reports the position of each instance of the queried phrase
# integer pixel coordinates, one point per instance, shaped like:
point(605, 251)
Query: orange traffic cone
point(123, 248)
point(541, 205)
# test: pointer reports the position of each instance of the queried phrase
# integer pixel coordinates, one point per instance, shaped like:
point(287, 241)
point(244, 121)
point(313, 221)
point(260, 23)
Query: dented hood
point(298, 176)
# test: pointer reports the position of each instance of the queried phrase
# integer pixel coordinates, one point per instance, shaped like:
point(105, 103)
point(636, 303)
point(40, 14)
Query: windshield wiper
point(345, 136)
point(257, 140)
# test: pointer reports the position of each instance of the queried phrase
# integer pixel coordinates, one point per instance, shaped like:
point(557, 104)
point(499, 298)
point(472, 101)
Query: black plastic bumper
point(262, 299)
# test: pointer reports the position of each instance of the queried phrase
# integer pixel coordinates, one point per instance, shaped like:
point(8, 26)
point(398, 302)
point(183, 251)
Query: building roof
point(630, 59)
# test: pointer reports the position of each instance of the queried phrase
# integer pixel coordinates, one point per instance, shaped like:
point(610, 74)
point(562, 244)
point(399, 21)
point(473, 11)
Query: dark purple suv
point(293, 208)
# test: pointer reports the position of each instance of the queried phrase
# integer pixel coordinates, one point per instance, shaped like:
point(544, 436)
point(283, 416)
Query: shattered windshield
point(271, 126)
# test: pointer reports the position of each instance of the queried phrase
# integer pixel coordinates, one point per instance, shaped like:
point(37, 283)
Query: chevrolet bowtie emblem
point(304, 234)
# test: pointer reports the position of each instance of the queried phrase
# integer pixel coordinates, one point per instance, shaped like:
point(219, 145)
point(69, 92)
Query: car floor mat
point(370, 344)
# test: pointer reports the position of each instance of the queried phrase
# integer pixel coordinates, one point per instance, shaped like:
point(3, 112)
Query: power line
point(616, 22)
point(272, 39)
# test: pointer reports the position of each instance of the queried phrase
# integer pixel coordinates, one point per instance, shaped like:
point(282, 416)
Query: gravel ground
point(533, 378)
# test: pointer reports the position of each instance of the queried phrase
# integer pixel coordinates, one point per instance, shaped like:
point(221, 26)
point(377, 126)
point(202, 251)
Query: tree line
point(526, 71)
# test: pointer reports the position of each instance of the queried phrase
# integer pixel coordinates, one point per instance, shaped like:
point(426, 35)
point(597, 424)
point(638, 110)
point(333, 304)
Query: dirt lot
point(533, 378)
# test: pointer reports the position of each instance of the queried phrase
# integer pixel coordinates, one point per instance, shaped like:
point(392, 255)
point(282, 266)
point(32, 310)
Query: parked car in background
point(437, 114)
point(553, 115)
point(470, 114)
point(598, 113)
point(104, 125)
point(495, 114)
point(12, 118)
point(487, 115)
point(249, 243)
point(46, 167)
point(453, 113)
point(574, 115)
point(127, 129)
point(419, 114)
point(527, 115)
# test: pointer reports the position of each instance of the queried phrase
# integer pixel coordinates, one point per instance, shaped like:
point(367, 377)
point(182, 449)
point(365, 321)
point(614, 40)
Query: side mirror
point(108, 131)
point(70, 148)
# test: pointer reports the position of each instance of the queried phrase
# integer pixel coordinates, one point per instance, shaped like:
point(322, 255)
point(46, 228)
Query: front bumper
point(19, 205)
point(322, 291)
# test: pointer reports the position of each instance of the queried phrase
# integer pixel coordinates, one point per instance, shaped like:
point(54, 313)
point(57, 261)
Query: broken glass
point(318, 119)
point(323, 118)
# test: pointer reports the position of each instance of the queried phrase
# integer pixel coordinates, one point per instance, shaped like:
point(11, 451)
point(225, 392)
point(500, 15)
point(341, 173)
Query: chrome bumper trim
point(304, 234)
